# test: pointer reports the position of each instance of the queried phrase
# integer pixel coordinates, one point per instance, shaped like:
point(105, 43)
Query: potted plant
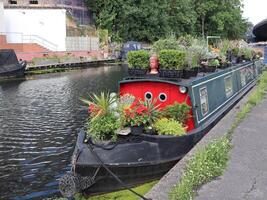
point(246, 53)
point(139, 115)
point(213, 64)
point(172, 63)
point(103, 121)
point(192, 65)
point(177, 111)
point(166, 126)
point(138, 62)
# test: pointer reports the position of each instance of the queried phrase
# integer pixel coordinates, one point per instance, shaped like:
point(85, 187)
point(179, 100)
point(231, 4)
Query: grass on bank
point(210, 162)
point(120, 195)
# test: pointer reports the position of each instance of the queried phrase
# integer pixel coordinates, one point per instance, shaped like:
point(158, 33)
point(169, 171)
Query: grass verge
point(210, 162)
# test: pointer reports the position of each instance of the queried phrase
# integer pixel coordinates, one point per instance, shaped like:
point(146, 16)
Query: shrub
point(104, 127)
point(138, 59)
point(102, 122)
point(177, 111)
point(172, 59)
point(166, 126)
point(235, 51)
point(214, 63)
point(246, 52)
point(166, 44)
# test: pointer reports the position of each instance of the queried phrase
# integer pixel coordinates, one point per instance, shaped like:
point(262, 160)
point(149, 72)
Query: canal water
point(39, 119)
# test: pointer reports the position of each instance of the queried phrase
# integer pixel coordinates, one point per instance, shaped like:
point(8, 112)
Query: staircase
point(30, 46)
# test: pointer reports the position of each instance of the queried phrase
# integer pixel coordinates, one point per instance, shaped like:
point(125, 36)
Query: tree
point(149, 20)
point(220, 17)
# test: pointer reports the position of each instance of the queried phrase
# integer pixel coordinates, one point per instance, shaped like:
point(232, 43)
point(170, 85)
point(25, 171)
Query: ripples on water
point(39, 119)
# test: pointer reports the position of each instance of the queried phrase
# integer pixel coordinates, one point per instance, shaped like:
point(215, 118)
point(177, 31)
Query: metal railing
point(16, 37)
point(39, 40)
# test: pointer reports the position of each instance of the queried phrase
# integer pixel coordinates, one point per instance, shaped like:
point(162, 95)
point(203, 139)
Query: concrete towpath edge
point(161, 190)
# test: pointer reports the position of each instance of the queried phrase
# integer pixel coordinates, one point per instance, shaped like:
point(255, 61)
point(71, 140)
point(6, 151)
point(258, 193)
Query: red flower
point(141, 109)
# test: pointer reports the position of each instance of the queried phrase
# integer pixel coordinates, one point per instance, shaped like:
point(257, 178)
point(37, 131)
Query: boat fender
point(72, 183)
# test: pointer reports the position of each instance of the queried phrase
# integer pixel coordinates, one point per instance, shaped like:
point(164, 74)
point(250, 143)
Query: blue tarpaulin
point(265, 55)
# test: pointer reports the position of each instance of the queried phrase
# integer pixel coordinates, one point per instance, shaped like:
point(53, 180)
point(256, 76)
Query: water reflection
point(39, 119)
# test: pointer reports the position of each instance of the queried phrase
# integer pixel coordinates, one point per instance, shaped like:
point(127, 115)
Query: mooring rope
point(114, 175)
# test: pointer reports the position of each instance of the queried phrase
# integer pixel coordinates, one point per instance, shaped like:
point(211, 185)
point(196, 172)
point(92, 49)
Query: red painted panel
point(138, 89)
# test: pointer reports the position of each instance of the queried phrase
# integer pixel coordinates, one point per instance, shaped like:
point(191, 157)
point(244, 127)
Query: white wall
point(1, 17)
point(49, 24)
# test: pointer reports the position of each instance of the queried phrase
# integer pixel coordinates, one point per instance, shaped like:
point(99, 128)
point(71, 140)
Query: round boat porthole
point(162, 97)
point(148, 96)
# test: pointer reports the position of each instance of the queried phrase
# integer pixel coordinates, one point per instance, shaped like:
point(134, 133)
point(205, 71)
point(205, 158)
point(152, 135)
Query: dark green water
point(39, 119)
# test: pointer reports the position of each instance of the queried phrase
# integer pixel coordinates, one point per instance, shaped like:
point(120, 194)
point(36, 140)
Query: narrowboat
point(9, 64)
point(139, 158)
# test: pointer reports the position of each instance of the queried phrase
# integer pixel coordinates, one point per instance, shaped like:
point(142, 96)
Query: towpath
point(246, 175)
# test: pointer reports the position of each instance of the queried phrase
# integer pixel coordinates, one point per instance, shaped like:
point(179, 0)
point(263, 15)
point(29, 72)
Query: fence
point(82, 44)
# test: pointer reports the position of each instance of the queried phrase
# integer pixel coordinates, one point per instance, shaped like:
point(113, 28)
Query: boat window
point(228, 86)
point(204, 100)
point(162, 97)
point(148, 96)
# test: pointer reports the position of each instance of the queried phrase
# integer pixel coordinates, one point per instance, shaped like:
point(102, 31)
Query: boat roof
point(202, 76)
point(7, 57)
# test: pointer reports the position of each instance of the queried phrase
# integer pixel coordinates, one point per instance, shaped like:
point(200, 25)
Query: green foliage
point(103, 38)
point(140, 113)
point(100, 105)
point(102, 123)
point(166, 44)
point(104, 127)
point(172, 59)
point(138, 59)
point(166, 126)
point(246, 52)
point(151, 20)
point(235, 51)
point(177, 111)
point(222, 18)
point(214, 63)
point(207, 164)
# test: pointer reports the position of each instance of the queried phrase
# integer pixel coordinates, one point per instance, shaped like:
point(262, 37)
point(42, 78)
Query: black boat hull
point(17, 71)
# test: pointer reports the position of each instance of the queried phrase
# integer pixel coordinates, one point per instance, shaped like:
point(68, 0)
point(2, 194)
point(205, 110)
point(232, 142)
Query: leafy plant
point(177, 111)
point(100, 105)
point(140, 113)
point(246, 52)
point(172, 59)
point(104, 127)
point(235, 51)
point(138, 59)
point(166, 44)
point(103, 121)
point(214, 63)
point(166, 126)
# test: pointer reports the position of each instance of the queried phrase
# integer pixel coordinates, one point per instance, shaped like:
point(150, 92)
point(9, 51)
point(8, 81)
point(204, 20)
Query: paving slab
point(246, 175)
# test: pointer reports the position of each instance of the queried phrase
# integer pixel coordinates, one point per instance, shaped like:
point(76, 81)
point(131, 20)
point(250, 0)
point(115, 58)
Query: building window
point(33, 2)
point(204, 101)
point(228, 81)
point(12, 2)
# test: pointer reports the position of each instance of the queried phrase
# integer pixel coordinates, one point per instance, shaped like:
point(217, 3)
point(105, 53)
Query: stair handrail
point(39, 40)
point(32, 39)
